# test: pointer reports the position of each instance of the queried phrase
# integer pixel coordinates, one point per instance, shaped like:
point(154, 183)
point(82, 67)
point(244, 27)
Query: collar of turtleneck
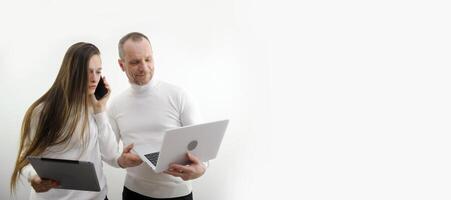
point(140, 89)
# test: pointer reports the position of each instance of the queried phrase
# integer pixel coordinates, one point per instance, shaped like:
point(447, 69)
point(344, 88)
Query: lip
point(92, 86)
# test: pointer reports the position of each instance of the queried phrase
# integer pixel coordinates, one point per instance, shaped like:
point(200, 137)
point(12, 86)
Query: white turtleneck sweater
point(140, 115)
point(101, 145)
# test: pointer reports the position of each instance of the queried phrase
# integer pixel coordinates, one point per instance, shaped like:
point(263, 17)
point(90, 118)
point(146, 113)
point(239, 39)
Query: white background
point(327, 99)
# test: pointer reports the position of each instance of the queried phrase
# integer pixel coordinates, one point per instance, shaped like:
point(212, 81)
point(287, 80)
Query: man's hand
point(128, 159)
point(42, 185)
point(187, 172)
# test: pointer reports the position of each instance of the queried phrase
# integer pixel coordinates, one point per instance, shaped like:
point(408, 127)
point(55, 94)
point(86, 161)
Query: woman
point(68, 122)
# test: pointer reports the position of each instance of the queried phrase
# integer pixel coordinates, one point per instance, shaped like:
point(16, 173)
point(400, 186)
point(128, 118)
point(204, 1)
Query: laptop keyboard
point(153, 157)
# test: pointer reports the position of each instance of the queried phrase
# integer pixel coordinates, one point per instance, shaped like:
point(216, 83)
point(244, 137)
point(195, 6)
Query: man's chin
point(141, 82)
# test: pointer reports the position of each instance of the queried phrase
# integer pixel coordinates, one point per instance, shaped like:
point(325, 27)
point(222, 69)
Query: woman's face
point(94, 72)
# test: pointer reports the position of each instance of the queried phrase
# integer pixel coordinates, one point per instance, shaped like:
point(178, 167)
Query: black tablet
point(71, 174)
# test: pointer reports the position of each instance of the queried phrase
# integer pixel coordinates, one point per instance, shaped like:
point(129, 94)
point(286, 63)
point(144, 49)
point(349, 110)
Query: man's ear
point(121, 64)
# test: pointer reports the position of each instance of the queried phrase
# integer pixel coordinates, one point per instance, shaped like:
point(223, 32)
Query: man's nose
point(141, 66)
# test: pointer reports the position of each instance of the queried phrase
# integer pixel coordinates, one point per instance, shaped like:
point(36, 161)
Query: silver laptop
point(202, 140)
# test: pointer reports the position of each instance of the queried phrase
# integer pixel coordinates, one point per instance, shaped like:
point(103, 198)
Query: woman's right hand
point(43, 185)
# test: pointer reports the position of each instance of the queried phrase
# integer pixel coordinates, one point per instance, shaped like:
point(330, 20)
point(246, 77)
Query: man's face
point(138, 61)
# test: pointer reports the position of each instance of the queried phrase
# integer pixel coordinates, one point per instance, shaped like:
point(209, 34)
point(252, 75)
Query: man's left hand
point(187, 172)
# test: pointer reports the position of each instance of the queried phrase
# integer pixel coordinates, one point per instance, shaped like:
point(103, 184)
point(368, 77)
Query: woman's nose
point(92, 78)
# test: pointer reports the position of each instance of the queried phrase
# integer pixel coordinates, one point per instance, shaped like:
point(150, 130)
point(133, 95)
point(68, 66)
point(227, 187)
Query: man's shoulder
point(169, 87)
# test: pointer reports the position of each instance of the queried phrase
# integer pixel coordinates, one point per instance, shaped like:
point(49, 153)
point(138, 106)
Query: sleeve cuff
point(116, 162)
point(101, 118)
point(29, 172)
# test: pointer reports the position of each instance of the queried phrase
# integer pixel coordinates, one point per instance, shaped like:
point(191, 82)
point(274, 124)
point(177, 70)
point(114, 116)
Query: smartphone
point(101, 90)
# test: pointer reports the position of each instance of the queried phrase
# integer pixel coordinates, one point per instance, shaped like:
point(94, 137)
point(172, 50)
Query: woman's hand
point(42, 185)
point(100, 105)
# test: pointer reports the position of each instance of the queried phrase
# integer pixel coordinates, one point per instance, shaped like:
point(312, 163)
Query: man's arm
point(109, 146)
point(127, 158)
point(189, 115)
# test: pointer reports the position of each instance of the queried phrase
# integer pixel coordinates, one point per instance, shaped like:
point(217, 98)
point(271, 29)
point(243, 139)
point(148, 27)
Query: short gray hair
point(134, 36)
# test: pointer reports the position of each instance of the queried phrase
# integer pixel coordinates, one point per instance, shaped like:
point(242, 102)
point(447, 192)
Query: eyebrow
point(93, 69)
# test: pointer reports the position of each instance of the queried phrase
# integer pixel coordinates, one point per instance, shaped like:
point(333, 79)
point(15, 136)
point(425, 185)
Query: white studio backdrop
point(327, 99)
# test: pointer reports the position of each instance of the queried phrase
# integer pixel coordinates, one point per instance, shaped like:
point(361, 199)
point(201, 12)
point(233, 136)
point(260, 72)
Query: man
point(142, 113)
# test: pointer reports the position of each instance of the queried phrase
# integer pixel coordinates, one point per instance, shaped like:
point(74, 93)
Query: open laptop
point(202, 140)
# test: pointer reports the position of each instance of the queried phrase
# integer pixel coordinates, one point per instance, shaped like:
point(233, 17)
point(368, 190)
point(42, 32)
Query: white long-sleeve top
point(100, 145)
point(140, 115)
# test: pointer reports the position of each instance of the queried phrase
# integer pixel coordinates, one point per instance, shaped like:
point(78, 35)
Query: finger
point(132, 159)
point(55, 183)
point(105, 81)
point(46, 183)
point(128, 148)
point(135, 158)
point(192, 158)
point(182, 175)
point(40, 189)
point(107, 84)
point(174, 173)
point(93, 98)
point(107, 95)
point(44, 188)
point(36, 180)
point(180, 168)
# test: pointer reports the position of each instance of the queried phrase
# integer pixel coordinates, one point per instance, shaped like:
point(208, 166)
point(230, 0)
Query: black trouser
point(130, 195)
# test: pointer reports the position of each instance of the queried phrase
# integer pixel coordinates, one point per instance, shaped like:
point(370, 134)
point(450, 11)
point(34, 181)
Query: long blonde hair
point(63, 106)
